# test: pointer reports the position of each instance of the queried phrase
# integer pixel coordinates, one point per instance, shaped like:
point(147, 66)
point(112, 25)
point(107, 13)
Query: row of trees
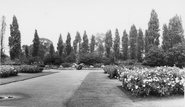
point(134, 45)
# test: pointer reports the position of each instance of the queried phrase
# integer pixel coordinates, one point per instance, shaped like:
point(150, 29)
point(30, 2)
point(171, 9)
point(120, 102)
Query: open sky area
point(52, 17)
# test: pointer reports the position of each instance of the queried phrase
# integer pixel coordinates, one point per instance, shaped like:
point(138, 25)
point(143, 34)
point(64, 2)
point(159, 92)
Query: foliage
point(155, 57)
point(53, 60)
point(161, 81)
point(76, 41)
point(176, 56)
point(166, 38)
point(2, 36)
point(140, 46)
point(7, 71)
point(116, 47)
point(108, 43)
point(60, 45)
point(68, 48)
point(146, 43)
point(51, 51)
point(36, 44)
point(92, 44)
point(111, 70)
point(30, 69)
point(125, 45)
point(133, 39)
point(65, 64)
point(85, 43)
point(71, 58)
point(14, 39)
point(153, 29)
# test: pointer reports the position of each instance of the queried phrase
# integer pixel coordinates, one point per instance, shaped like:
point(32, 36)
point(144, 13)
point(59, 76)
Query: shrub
point(155, 57)
point(30, 69)
point(65, 65)
point(161, 81)
point(111, 70)
point(7, 71)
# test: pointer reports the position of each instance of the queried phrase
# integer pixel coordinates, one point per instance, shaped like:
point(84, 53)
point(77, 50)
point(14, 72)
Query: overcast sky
point(52, 17)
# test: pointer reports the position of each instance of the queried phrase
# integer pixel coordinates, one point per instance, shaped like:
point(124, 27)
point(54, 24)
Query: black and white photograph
point(92, 53)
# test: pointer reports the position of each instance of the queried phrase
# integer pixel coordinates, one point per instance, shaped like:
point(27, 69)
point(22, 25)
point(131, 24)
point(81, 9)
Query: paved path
point(47, 91)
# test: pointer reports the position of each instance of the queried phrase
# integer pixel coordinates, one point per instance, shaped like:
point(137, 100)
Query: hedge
point(7, 71)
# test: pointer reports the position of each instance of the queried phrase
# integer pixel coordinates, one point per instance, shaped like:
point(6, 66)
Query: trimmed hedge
point(30, 69)
point(7, 71)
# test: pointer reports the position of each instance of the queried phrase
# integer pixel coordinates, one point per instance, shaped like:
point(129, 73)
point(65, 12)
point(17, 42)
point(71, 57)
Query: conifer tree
point(116, 47)
point(92, 45)
point(68, 47)
point(76, 41)
point(85, 44)
point(60, 45)
point(140, 45)
point(36, 44)
point(108, 43)
point(133, 39)
point(125, 45)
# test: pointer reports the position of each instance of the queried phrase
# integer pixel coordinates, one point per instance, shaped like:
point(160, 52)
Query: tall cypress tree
point(60, 45)
point(140, 45)
point(26, 51)
point(76, 41)
point(146, 43)
point(2, 35)
point(15, 39)
point(153, 29)
point(36, 44)
point(108, 43)
point(85, 44)
point(116, 47)
point(52, 50)
point(166, 38)
point(125, 45)
point(68, 48)
point(133, 38)
point(92, 45)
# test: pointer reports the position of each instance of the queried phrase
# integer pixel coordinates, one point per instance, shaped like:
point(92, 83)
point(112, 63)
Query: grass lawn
point(23, 76)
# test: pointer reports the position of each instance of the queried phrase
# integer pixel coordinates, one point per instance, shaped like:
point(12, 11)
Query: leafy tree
point(108, 43)
point(146, 43)
point(133, 39)
point(26, 51)
point(166, 38)
point(76, 41)
point(85, 44)
point(153, 29)
point(52, 51)
point(92, 45)
point(116, 45)
point(176, 32)
point(2, 34)
point(60, 46)
point(140, 45)
point(68, 48)
point(15, 40)
point(125, 45)
point(36, 44)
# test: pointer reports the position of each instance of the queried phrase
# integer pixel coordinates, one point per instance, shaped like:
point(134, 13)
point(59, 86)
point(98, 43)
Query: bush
point(7, 71)
point(53, 60)
point(155, 57)
point(30, 69)
point(176, 56)
point(111, 70)
point(161, 81)
point(65, 65)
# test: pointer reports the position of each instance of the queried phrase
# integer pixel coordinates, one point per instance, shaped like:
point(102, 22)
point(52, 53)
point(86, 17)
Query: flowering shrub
point(111, 70)
point(161, 81)
point(6, 71)
point(30, 69)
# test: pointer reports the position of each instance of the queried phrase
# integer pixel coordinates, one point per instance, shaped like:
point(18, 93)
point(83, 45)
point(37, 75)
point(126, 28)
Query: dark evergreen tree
point(76, 41)
point(108, 43)
point(140, 45)
point(68, 47)
point(166, 38)
point(26, 51)
point(133, 38)
point(2, 35)
point(116, 47)
point(92, 45)
point(15, 40)
point(36, 44)
point(125, 45)
point(153, 29)
point(146, 43)
point(85, 44)
point(60, 46)
point(52, 50)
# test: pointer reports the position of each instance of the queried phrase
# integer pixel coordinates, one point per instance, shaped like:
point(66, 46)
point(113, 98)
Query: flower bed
point(30, 69)
point(160, 81)
point(7, 71)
